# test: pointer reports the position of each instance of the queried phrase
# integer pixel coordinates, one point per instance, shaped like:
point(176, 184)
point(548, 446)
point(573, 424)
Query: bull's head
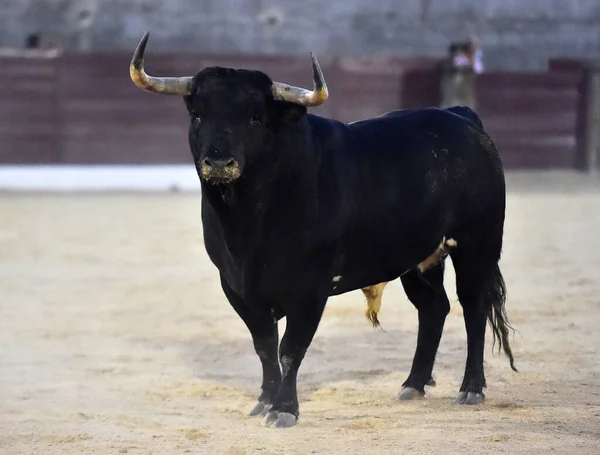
point(234, 114)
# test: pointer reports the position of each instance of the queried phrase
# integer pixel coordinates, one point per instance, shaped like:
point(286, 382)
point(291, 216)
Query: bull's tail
point(373, 294)
point(497, 316)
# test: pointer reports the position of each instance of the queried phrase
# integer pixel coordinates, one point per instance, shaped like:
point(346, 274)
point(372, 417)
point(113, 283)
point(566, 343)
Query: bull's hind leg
point(481, 291)
point(263, 328)
point(427, 294)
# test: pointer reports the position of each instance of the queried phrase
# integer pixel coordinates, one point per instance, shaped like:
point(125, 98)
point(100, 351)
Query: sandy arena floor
point(116, 338)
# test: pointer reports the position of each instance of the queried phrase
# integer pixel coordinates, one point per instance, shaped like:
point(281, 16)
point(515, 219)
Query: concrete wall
point(519, 34)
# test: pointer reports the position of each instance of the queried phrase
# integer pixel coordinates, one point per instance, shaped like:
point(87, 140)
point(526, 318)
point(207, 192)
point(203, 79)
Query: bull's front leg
point(265, 338)
point(263, 328)
point(303, 315)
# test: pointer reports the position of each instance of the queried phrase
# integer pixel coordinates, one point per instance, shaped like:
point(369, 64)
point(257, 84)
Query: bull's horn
point(300, 95)
point(162, 85)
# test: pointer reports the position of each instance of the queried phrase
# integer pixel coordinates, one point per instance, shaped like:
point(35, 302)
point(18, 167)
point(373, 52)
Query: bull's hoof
point(469, 398)
point(276, 419)
point(285, 420)
point(410, 393)
point(270, 418)
point(260, 409)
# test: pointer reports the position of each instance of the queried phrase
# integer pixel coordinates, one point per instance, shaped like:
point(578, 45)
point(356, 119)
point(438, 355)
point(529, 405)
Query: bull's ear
point(289, 113)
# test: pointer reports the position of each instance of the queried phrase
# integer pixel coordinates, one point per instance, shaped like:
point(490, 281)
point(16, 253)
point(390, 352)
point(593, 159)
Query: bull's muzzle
point(220, 170)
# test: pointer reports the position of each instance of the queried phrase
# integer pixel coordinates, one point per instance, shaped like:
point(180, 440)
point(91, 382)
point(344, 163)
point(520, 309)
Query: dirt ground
point(115, 337)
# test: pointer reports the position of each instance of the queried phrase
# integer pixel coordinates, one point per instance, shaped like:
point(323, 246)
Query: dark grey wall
point(515, 33)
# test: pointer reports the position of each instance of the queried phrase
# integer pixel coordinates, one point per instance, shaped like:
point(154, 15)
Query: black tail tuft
point(498, 317)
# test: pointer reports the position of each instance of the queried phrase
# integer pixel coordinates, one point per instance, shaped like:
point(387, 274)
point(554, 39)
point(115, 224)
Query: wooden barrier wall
point(533, 117)
point(84, 109)
point(29, 110)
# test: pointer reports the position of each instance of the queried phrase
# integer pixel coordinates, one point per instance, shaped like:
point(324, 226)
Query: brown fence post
point(593, 123)
point(588, 156)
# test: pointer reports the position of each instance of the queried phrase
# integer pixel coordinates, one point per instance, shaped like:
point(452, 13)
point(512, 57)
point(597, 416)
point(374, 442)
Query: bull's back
point(415, 144)
point(414, 176)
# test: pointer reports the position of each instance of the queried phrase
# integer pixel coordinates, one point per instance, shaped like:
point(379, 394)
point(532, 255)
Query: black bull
point(296, 208)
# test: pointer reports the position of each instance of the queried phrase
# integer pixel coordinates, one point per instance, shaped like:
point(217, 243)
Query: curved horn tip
point(138, 54)
point(319, 79)
point(144, 40)
point(313, 57)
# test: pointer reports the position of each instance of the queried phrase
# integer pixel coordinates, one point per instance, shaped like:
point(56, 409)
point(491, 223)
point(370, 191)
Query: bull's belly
point(357, 272)
point(357, 268)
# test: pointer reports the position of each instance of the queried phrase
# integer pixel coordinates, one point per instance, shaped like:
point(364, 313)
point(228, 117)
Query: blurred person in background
point(463, 64)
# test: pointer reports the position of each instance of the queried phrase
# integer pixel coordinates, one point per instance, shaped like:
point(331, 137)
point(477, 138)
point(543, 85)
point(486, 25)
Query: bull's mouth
point(227, 173)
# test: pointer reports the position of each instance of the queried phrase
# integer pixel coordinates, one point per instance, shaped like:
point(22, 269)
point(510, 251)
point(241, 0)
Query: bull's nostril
point(230, 162)
point(206, 162)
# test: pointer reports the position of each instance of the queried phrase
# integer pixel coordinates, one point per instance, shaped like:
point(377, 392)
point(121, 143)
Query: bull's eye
point(256, 120)
point(196, 118)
